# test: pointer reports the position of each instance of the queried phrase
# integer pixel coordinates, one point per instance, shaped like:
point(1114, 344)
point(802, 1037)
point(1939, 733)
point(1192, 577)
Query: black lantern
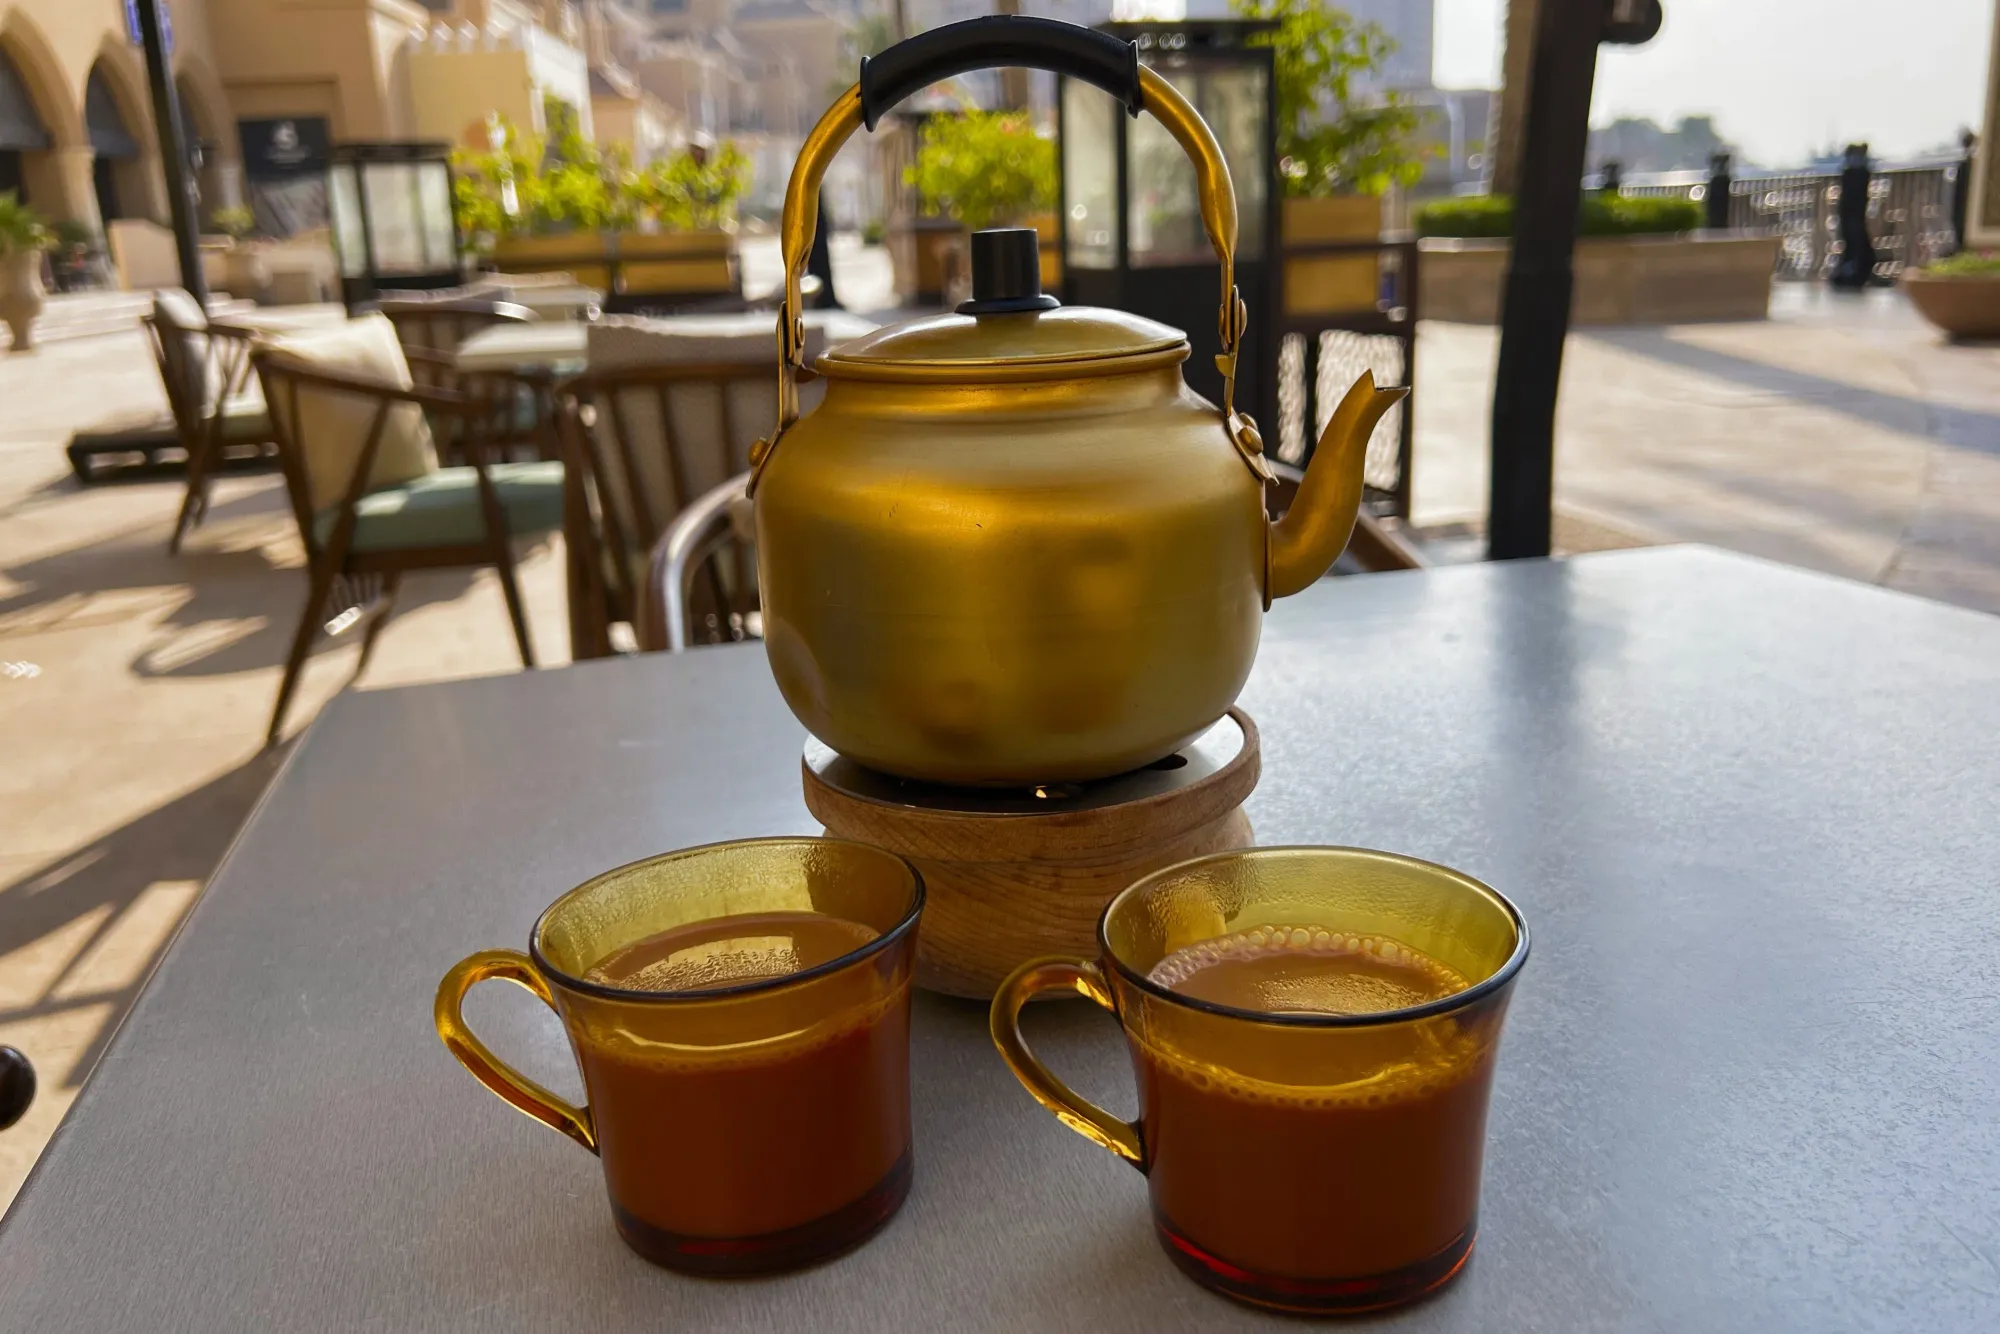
point(1132, 235)
point(393, 226)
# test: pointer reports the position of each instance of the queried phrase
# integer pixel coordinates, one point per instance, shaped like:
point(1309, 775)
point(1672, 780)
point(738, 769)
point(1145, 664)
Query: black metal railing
point(1909, 213)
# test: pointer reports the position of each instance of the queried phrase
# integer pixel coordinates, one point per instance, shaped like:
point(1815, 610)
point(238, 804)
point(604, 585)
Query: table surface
point(1751, 1080)
point(545, 343)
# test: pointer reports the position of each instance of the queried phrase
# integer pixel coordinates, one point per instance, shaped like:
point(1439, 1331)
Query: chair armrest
point(663, 614)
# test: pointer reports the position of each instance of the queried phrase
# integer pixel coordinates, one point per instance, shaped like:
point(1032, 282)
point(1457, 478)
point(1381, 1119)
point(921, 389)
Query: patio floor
point(135, 687)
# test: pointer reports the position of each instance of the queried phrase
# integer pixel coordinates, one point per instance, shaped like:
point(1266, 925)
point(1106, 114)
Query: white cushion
point(333, 427)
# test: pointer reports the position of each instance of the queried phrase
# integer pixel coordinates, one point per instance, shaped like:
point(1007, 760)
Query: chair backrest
point(701, 585)
point(437, 327)
point(179, 330)
point(330, 392)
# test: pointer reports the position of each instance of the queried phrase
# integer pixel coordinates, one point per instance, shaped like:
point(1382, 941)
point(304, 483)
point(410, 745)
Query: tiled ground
point(134, 686)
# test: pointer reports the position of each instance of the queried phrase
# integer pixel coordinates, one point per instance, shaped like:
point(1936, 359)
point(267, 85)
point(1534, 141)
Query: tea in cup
point(740, 1014)
point(1314, 1033)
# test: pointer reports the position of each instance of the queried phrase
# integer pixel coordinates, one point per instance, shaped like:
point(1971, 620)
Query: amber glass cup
point(1311, 1162)
point(747, 1128)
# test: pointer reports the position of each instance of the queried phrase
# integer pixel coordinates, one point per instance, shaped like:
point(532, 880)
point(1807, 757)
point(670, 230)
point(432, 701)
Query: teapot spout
point(1313, 533)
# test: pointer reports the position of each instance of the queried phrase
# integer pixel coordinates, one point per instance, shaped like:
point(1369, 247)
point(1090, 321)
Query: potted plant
point(1960, 295)
point(23, 239)
point(245, 270)
point(988, 169)
point(1336, 154)
point(562, 204)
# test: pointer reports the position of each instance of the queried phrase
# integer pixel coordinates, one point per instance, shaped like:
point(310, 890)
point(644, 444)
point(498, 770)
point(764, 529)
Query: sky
point(1783, 78)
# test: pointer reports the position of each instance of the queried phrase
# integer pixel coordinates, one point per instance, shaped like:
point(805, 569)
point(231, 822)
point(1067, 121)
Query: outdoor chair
point(667, 412)
point(205, 370)
point(354, 439)
point(432, 329)
point(701, 585)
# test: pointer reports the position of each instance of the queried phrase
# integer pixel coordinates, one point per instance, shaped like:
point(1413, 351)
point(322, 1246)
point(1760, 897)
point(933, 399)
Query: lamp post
point(1534, 313)
point(172, 135)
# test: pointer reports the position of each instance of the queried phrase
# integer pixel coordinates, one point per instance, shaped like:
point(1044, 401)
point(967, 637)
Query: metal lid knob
point(1006, 273)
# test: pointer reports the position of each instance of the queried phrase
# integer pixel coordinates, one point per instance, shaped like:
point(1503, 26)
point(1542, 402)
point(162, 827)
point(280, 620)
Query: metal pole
point(173, 148)
point(1535, 311)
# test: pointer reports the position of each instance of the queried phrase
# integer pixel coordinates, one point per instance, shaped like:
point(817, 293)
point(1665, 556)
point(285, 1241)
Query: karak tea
point(1313, 1031)
point(740, 1017)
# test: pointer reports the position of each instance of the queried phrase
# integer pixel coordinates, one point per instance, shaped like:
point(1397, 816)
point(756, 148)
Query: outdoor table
point(556, 345)
point(1751, 1080)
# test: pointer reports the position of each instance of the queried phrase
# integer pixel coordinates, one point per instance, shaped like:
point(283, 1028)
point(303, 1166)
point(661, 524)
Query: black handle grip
point(999, 40)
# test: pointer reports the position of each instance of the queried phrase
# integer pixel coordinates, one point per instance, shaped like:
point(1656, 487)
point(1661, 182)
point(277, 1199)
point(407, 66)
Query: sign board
point(286, 146)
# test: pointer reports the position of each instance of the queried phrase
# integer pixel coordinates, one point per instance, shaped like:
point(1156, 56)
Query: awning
point(108, 135)
point(21, 129)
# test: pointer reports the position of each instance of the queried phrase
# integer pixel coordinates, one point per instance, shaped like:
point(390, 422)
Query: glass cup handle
point(1084, 1117)
point(512, 1086)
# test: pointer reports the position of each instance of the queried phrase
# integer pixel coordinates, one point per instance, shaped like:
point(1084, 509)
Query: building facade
point(266, 86)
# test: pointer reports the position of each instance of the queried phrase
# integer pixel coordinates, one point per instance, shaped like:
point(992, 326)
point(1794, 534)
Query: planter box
point(1619, 279)
point(1331, 284)
point(929, 258)
point(1964, 306)
point(630, 264)
point(917, 258)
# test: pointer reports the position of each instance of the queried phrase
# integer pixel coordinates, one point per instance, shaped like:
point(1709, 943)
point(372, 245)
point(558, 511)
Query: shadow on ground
point(229, 602)
point(183, 840)
point(1893, 412)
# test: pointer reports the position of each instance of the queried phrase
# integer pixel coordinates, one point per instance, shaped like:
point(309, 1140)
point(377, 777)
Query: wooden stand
point(1009, 875)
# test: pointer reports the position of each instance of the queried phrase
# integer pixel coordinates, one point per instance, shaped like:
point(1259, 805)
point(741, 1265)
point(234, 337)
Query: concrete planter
point(21, 295)
point(1619, 279)
point(629, 263)
point(1331, 284)
point(1963, 305)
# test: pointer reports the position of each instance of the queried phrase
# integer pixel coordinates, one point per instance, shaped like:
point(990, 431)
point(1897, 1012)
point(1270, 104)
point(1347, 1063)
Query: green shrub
point(984, 168)
point(873, 231)
point(1602, 215)
point(1333, 139)
point(1466, 216)
point(21, 228)
point(1967, 264)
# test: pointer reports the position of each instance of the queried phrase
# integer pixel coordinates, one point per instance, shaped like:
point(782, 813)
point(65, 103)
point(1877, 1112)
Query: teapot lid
point(1008, 331)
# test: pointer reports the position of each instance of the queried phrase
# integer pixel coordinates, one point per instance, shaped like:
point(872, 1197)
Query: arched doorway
point(24, 137)
point(115, 170)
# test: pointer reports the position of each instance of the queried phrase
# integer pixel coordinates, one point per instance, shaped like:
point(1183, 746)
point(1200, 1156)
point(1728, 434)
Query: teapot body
point(1025, 583)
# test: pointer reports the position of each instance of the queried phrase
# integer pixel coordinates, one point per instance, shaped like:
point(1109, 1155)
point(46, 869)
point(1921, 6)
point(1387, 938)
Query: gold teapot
point(1010, 546)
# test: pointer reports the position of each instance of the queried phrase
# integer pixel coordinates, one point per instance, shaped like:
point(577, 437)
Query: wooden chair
point(205, 370)
point(655, 440)
point(359, 547)
point(521, 404)
point(701, 585)
point(434, 329)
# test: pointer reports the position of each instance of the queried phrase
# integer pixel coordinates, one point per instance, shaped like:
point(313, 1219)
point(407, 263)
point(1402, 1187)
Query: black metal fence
point(1909, 213)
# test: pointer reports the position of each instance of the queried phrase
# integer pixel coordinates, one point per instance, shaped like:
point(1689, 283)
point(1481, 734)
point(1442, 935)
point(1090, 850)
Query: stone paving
point(135, 687)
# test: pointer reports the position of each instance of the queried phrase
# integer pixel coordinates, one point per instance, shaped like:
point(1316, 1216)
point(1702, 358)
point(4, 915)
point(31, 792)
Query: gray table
point(1752, 1079)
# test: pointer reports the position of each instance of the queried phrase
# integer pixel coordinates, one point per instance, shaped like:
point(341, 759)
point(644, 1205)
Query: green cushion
point(441, 509)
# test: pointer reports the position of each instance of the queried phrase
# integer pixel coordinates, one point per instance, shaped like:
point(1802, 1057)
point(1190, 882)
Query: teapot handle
point(985, 43)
